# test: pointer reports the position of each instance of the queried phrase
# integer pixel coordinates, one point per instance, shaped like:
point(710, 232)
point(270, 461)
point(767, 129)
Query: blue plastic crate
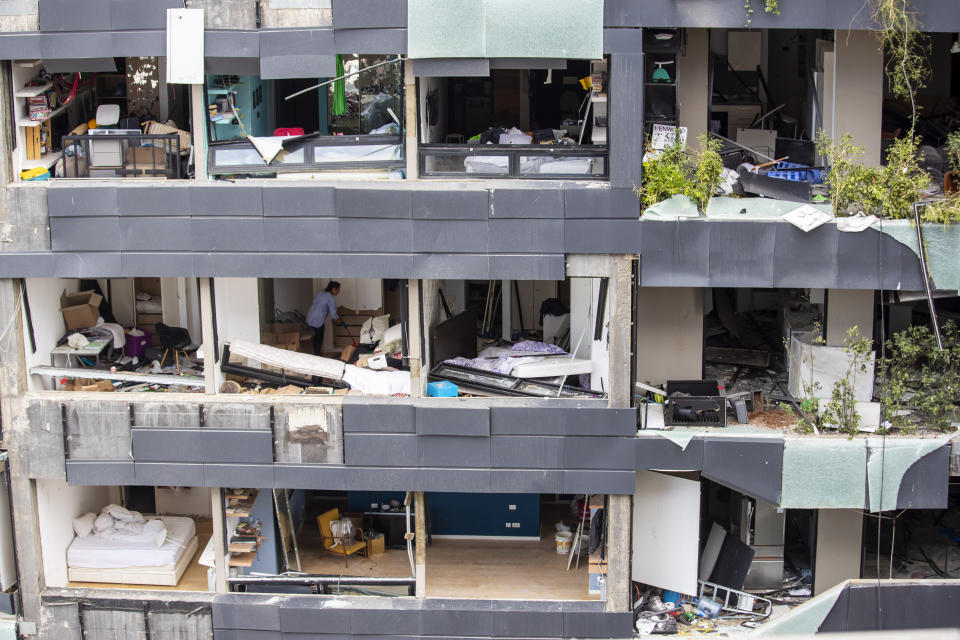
point(442, 389)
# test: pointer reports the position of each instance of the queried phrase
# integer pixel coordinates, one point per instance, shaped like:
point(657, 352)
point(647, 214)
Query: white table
point(93, 349)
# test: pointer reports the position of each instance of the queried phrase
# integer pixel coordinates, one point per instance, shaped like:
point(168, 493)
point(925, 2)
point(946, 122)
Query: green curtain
point(340, 90)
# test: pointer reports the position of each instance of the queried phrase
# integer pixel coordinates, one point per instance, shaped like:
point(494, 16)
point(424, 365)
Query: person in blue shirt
point(323, 306)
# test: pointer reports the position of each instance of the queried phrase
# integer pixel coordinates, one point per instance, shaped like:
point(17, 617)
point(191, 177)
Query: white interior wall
point(359, 294)
point(122, 299)
point(293, 294)
point(455, 291)
point(582, 296)
point(666, 531)
point(839, 539)
point(669, 334)
point(693, 69)
point(183, 501)
point(57, 505)
point(48, 326)
point(848, 308)
point(858, 102)
point(238, 310)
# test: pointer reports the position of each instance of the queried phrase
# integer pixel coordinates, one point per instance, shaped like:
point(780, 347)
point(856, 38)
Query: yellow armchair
point(336, 544)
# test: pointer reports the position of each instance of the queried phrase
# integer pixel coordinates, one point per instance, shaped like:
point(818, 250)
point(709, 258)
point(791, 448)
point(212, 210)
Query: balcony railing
point(306, 154)
point(526, 161)
point(115, 154)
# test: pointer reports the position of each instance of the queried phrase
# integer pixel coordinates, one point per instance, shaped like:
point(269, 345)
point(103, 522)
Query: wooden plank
point(744, 357)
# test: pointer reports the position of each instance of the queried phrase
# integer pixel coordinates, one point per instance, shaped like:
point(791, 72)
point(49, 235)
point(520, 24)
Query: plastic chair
point(175, 339)
point(338, 545)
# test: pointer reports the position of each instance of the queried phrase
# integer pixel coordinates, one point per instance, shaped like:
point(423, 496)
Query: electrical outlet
point(512, 507)
point(516, 525)
point(373, 506)
point(507, 525)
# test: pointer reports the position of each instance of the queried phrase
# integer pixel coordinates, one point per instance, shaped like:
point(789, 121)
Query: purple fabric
point(507, 359)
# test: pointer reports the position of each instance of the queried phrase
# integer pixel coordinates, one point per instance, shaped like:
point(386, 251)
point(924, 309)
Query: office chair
point(175, 339)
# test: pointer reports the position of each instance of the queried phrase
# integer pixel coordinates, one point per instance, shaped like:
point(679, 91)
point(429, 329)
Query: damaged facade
point(362, 318)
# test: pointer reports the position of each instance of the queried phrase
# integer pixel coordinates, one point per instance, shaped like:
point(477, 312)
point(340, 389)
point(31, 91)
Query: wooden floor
point(459, 568)
point(193, 579)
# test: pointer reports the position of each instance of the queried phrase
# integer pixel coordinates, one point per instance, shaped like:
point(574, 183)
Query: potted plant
point(951, 179)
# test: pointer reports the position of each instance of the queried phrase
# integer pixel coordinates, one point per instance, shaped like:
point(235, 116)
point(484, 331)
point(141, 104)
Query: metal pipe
point(745, 148)
point(346, 75)
point(313, 580)
point(926, 277)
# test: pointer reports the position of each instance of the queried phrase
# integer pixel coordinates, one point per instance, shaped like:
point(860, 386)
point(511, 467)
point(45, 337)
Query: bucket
point(564, 540)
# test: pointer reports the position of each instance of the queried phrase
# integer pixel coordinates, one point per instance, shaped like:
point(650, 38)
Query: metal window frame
point(514, 152)
point(309, 165)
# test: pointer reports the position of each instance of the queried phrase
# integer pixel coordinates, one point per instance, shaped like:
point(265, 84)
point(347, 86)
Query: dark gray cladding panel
point(530, 267)
point(301, 265)
point(753, 466)
point(291, 202)
point(627, 40)
point(226, 200)
point(70, 65)
point(526, 204)
point(100, 472)
point(26, 265)
point(145, 200)
point(74, 15)
point(84, 234)
point(810, 14)
point(237, 445)
point(227, 234)
point(380, 479)
point(374, 203)
point(376, 265)
point(450, 421)
point(533, 452)
point(377, 418)
point(297, 53)
point(450, 236)
point(893, 607)
point(836, 619)
point(801, 258)
point(451, 265)
point(235, 475)
point(453, 451)
point(544, 620)
point(70, 201)
point(743, 252)
point(592, 202)
point(245, 634)
point(525, 236)
point(626, 110)
point(602, 236)
point(69, 46)
point(528, 63)
point(458, 204)
point(139, 43)
point(168, 445)
point(381, 41)
point(393, 621)
point(363, 234)
point(167, 474)
point(570, 421)
point(299, 615)
point(925, 484)
point(150, 264)
point(243, 612)
point(150, 233)
point(15, 46)
point(675, 254)
point(615, 482)
point(589, 452)
point(450, 67)
point(305, 476)
point(458, 620)
point(368, 14)
point(380, 450)
point(525, 480)
point(231, 44)
point(454, 480)
point(140, 14)
point(909, 276)
point(301, 234)
point(597, 624)
point(87, 265)
point(662, 454)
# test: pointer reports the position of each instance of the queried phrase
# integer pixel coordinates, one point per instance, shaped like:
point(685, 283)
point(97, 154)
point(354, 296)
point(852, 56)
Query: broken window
point(516, 122)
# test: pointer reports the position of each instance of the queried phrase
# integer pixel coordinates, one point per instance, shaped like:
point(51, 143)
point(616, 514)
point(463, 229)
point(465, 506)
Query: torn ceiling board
point(889, 460)
point(665, 551)
point(823, 473)
point(804, 619)
point(816, 368)
point(505, 29)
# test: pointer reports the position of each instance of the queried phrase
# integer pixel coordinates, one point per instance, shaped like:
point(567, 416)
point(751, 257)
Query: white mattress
point(94, 552)
point(552, 366)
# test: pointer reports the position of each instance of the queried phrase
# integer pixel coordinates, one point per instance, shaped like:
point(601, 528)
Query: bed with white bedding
point(134, 561)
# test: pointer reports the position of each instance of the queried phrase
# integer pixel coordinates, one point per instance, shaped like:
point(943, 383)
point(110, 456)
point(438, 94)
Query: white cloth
point(291, 360)
point(386, 383)
point(113, 330)
point(94, 552)
point(77, 341)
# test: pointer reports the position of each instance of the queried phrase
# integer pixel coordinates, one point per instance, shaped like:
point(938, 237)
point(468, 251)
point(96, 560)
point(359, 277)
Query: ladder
point(733, 601)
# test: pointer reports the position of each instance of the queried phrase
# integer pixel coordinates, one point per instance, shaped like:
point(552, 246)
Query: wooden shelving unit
point(245, 535)
point(598, 99)
point(240, 504)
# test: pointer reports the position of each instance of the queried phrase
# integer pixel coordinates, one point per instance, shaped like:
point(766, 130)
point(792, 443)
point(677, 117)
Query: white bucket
point(564, 540)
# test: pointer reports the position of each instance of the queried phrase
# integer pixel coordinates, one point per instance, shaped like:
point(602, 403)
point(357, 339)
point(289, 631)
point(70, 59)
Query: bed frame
point(165, 576)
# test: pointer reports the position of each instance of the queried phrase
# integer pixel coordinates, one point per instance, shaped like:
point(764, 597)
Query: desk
point(94, 349)
point(393, 526)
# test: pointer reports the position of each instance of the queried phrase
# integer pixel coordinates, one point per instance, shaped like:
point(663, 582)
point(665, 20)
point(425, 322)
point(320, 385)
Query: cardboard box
point(377, 545)
point(80, 310)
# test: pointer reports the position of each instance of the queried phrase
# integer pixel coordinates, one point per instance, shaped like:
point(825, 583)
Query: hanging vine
point(769, 6)
point(906, 50)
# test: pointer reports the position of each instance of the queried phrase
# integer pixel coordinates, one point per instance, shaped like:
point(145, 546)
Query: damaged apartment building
point(428, 318)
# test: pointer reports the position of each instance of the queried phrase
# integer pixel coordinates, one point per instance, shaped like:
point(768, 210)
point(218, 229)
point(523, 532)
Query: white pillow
point(83, 525)
point(373, 328)
point(103, 523)
point(392, 339)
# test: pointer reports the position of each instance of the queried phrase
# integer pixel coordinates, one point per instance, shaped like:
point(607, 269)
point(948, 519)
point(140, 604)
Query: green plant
point(906, 50)
point(920, 382)
point(675, 172)
point(840, 411)
point(769, 6)
point(853, 187)
point(952, 147)
point(902, 178)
